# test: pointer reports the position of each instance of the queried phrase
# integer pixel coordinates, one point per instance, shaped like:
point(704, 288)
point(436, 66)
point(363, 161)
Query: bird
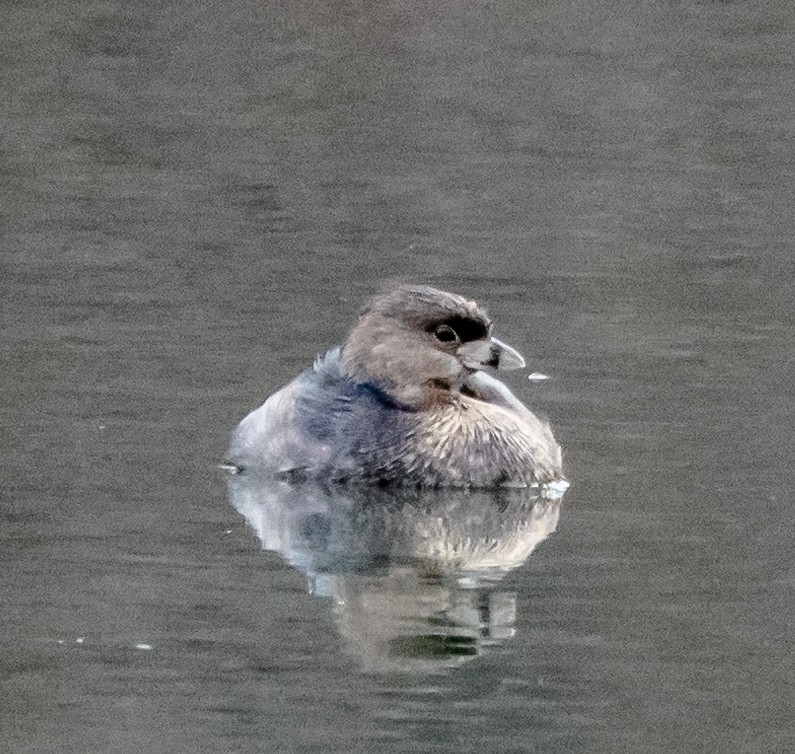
point(405, 400)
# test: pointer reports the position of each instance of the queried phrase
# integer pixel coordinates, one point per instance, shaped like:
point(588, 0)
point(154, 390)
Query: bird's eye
point(445, 334)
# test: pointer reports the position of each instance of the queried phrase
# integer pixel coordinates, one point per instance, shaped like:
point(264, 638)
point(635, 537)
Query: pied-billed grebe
point(404, 401)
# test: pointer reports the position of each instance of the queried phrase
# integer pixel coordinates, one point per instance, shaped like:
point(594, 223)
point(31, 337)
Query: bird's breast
point(468, 442)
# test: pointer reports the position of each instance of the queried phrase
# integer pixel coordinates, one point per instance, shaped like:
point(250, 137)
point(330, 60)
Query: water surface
point(196, 199)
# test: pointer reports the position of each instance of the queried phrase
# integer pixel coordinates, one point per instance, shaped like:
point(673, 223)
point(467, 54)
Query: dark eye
point(446, 334)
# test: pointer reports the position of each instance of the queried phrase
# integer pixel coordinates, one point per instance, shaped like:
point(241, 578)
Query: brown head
point(418, 344)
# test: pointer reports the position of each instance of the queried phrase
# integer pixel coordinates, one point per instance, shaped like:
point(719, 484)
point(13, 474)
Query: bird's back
point(313, 425)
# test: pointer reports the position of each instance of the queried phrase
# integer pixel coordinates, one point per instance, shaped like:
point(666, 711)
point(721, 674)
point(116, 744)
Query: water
point(195, 200)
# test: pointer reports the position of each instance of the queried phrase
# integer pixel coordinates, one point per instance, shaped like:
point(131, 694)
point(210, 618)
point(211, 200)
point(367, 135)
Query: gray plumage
point(404, 401)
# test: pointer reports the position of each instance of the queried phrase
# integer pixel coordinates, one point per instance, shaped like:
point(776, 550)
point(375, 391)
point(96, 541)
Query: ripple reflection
point(414, 574)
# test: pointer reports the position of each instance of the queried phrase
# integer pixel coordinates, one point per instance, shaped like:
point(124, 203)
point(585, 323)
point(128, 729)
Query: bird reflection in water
point(414, 574)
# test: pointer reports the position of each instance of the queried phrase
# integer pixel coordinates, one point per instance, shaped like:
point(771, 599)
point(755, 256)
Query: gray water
point(196, 198)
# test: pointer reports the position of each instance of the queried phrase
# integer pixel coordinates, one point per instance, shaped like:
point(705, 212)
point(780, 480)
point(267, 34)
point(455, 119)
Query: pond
point(197, 201)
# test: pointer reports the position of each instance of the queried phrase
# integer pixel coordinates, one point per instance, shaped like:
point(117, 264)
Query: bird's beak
point(490, 353)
